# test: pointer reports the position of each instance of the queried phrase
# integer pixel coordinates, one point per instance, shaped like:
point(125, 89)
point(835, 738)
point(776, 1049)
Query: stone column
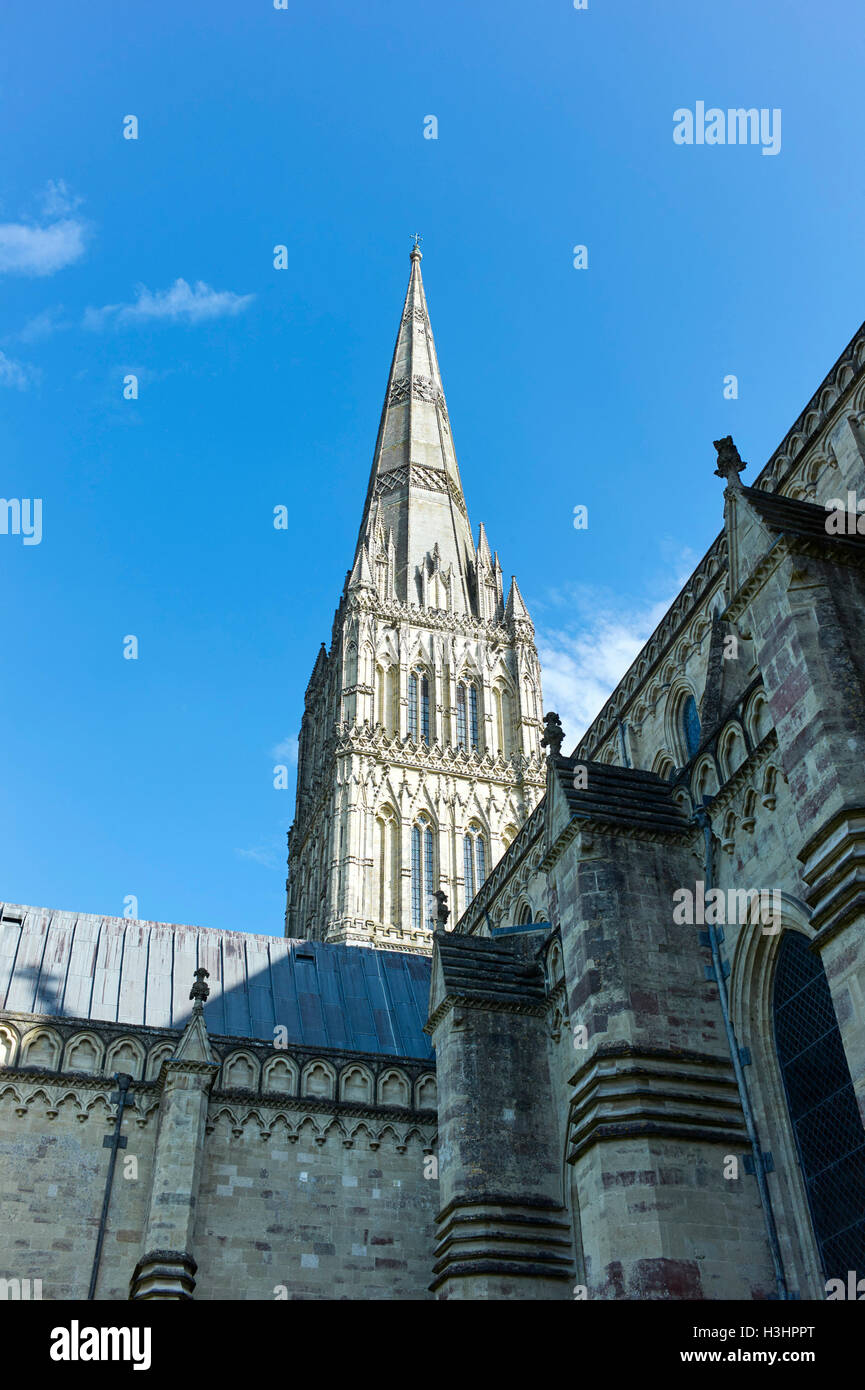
point(503, 1231)
point(166, 1269)
point(654, 1109)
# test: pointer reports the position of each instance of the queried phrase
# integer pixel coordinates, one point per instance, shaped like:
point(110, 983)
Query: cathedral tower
point(419, 755)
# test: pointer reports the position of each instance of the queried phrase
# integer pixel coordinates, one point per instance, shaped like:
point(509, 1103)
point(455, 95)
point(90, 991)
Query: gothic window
point(422, 875)
point(474, 861)
point(525, 916)
point(418, 706)
point(690, 725)
point(822, 1105)
point(467, 715)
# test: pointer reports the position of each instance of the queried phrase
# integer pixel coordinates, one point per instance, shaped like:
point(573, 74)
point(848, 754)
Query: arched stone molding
point(240, 1071)
point(125, 1055)
point(393, 1088)
point(426, 1092)
point(356, 1084)
point(704, 780)
point(280, 1074)
point(318, 1079)
point(156, 1057)
point(732, 749)
point(8, 1045)
point(674, 733)
point(752, 975)
point(757, 718)
point(555, 965)
point(41, 1047)
point(664, 765)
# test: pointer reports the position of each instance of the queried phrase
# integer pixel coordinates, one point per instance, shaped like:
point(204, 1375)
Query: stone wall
point(313, 1178)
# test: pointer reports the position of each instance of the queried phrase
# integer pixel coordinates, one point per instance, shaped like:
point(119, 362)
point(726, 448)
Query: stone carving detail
point(415, 475)
point(553, 734)
point(398, 391)
point(730, 463)
point(422, 388)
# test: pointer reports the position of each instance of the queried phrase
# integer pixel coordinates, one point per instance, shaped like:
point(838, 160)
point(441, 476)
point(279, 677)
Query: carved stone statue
point(554, 734)
point(443, 912)
point(730, 463)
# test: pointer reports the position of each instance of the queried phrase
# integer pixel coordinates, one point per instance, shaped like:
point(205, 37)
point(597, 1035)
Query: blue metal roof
point(119, 970)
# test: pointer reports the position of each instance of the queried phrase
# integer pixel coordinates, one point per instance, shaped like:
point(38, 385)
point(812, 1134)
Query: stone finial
point(200, 992)
point(443, 912)
point(730, 463)
point(554, 734)
point(416, 253)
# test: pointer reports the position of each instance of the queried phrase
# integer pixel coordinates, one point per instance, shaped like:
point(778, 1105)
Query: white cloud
point(31, 249)
point(286, 751)
point(43, 325)
point(261, 854)
point(57, 200)
point(583, 660)
point(16, 374)
point(182, 303)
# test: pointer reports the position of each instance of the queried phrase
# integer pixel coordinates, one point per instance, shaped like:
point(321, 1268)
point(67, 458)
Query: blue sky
point(604, 386)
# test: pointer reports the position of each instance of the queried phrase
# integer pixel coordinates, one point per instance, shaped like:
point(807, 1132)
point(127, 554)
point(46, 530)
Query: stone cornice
point(497, 1005)
point(412, 615)
point(320, 1105)
point(223, 1044)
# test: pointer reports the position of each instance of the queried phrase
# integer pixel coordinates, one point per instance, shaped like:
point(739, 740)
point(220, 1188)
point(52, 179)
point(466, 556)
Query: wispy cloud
point(264, 855)
point(41, 246)
point(43, 325)
point(286, 751)
point(34, 250)
point(17, 374)
point(584, 658)
point(181, 303)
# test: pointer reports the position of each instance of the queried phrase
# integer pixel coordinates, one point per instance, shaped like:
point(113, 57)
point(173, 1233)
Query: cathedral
point(543, 1025)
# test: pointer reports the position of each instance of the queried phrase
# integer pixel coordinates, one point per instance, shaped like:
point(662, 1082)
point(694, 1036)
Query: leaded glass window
point(691, 725)
point(822, 1105)
point(423, 904)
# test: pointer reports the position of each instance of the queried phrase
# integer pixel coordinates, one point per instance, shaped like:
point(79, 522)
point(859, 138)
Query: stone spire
point(415, 529)
point(419, 753)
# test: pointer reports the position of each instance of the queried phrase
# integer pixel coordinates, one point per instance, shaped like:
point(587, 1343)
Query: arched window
point(525, 916)
point(467, 715)
point(823, 1111)
point(385, 678)
point(474, 861)
point(691, 731)
point(423, 903)
point(418, 706)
